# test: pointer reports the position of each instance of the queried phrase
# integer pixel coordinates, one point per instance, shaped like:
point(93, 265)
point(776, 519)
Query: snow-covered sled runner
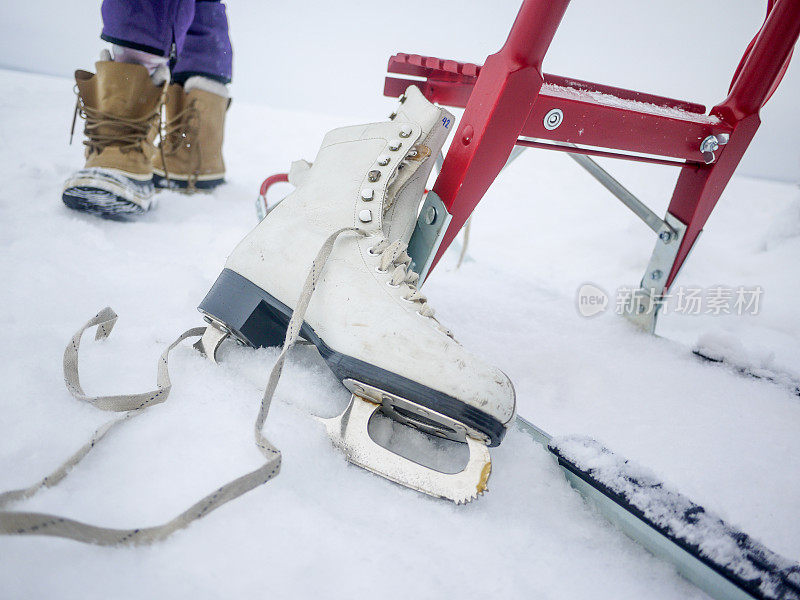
point(719, 559)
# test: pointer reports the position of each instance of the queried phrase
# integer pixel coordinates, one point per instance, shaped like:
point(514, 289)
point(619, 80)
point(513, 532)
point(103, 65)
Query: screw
point(665, 236)
point(430, 215)
point(655, 275)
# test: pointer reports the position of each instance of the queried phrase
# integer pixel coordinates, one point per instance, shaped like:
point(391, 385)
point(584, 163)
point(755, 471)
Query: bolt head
point(665, 236)
point(430, 215)
point(656, 275)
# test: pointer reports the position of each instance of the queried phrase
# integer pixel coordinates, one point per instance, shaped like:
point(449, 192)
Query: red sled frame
point(510, 102)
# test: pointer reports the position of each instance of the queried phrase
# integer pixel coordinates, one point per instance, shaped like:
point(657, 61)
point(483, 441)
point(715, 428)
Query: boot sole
point(178, 183)
point(108, 193)
point(258, 319)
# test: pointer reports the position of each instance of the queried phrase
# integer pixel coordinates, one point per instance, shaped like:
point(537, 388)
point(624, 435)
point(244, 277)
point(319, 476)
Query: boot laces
point(124, 133)
point(181, 129)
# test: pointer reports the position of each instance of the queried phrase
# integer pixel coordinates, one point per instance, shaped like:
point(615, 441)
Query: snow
point(324, 528)
point(604, 99)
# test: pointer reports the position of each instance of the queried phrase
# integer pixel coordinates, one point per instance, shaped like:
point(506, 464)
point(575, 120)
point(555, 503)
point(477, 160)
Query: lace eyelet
point(391, 285)
point(379, 270)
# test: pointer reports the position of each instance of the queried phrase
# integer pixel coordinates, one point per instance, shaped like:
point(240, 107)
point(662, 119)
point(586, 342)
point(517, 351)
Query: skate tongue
point(404, 194)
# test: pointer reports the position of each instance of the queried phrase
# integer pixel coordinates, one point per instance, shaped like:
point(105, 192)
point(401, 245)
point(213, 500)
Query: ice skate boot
point(121, 105)
point(360, 307)
point(195, 123)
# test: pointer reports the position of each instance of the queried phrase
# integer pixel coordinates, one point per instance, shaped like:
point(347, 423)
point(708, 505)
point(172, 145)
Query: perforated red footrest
point(433, 68)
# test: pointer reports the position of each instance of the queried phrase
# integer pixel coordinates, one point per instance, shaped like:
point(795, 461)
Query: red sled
point(511, 104)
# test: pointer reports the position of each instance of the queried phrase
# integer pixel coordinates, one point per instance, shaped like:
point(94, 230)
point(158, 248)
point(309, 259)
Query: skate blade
point(349, 432)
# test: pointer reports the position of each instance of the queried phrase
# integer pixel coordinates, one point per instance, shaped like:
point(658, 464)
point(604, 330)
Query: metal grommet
point(367, 194)
point(405, 132)
point(374, 175)
point(383, 160)
point(365, 216)
point(395, 145)
point(553, 119)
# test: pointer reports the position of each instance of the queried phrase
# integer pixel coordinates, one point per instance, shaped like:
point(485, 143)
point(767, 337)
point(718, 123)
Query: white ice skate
point(364, 313)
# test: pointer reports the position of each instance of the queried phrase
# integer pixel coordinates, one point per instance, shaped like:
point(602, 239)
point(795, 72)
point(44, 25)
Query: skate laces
point(395, 258)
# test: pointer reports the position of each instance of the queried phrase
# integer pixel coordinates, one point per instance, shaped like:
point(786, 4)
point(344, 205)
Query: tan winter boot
point(121, 105)
point(192, 146)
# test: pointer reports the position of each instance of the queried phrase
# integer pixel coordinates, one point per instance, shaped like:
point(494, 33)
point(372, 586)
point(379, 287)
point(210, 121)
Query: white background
point(330, 57)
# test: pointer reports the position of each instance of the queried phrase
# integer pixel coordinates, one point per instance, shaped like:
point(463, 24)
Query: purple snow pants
point(198, 28)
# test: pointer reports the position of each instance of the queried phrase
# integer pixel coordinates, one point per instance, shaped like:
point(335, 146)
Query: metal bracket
point(427, 237)
point(643, 305)
point(432, 224)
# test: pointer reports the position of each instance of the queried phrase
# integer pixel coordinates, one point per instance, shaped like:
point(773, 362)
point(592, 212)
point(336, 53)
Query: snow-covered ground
point(324, 528)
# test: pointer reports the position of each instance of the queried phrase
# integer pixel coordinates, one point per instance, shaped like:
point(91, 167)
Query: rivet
point(405, 132)
point(374, 175)
point(365, 216)
point(466, 135)
point(383, 160)
point(655, 275)
point(395, 145)
point(367, 194)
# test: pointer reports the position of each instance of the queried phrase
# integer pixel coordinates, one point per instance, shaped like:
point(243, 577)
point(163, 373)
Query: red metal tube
point(765, 61)
point(533, 31)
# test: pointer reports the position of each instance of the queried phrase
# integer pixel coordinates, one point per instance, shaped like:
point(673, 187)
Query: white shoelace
point(393, 255)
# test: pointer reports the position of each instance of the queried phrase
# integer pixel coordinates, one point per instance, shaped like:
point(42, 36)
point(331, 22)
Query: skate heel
point(239, 307)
